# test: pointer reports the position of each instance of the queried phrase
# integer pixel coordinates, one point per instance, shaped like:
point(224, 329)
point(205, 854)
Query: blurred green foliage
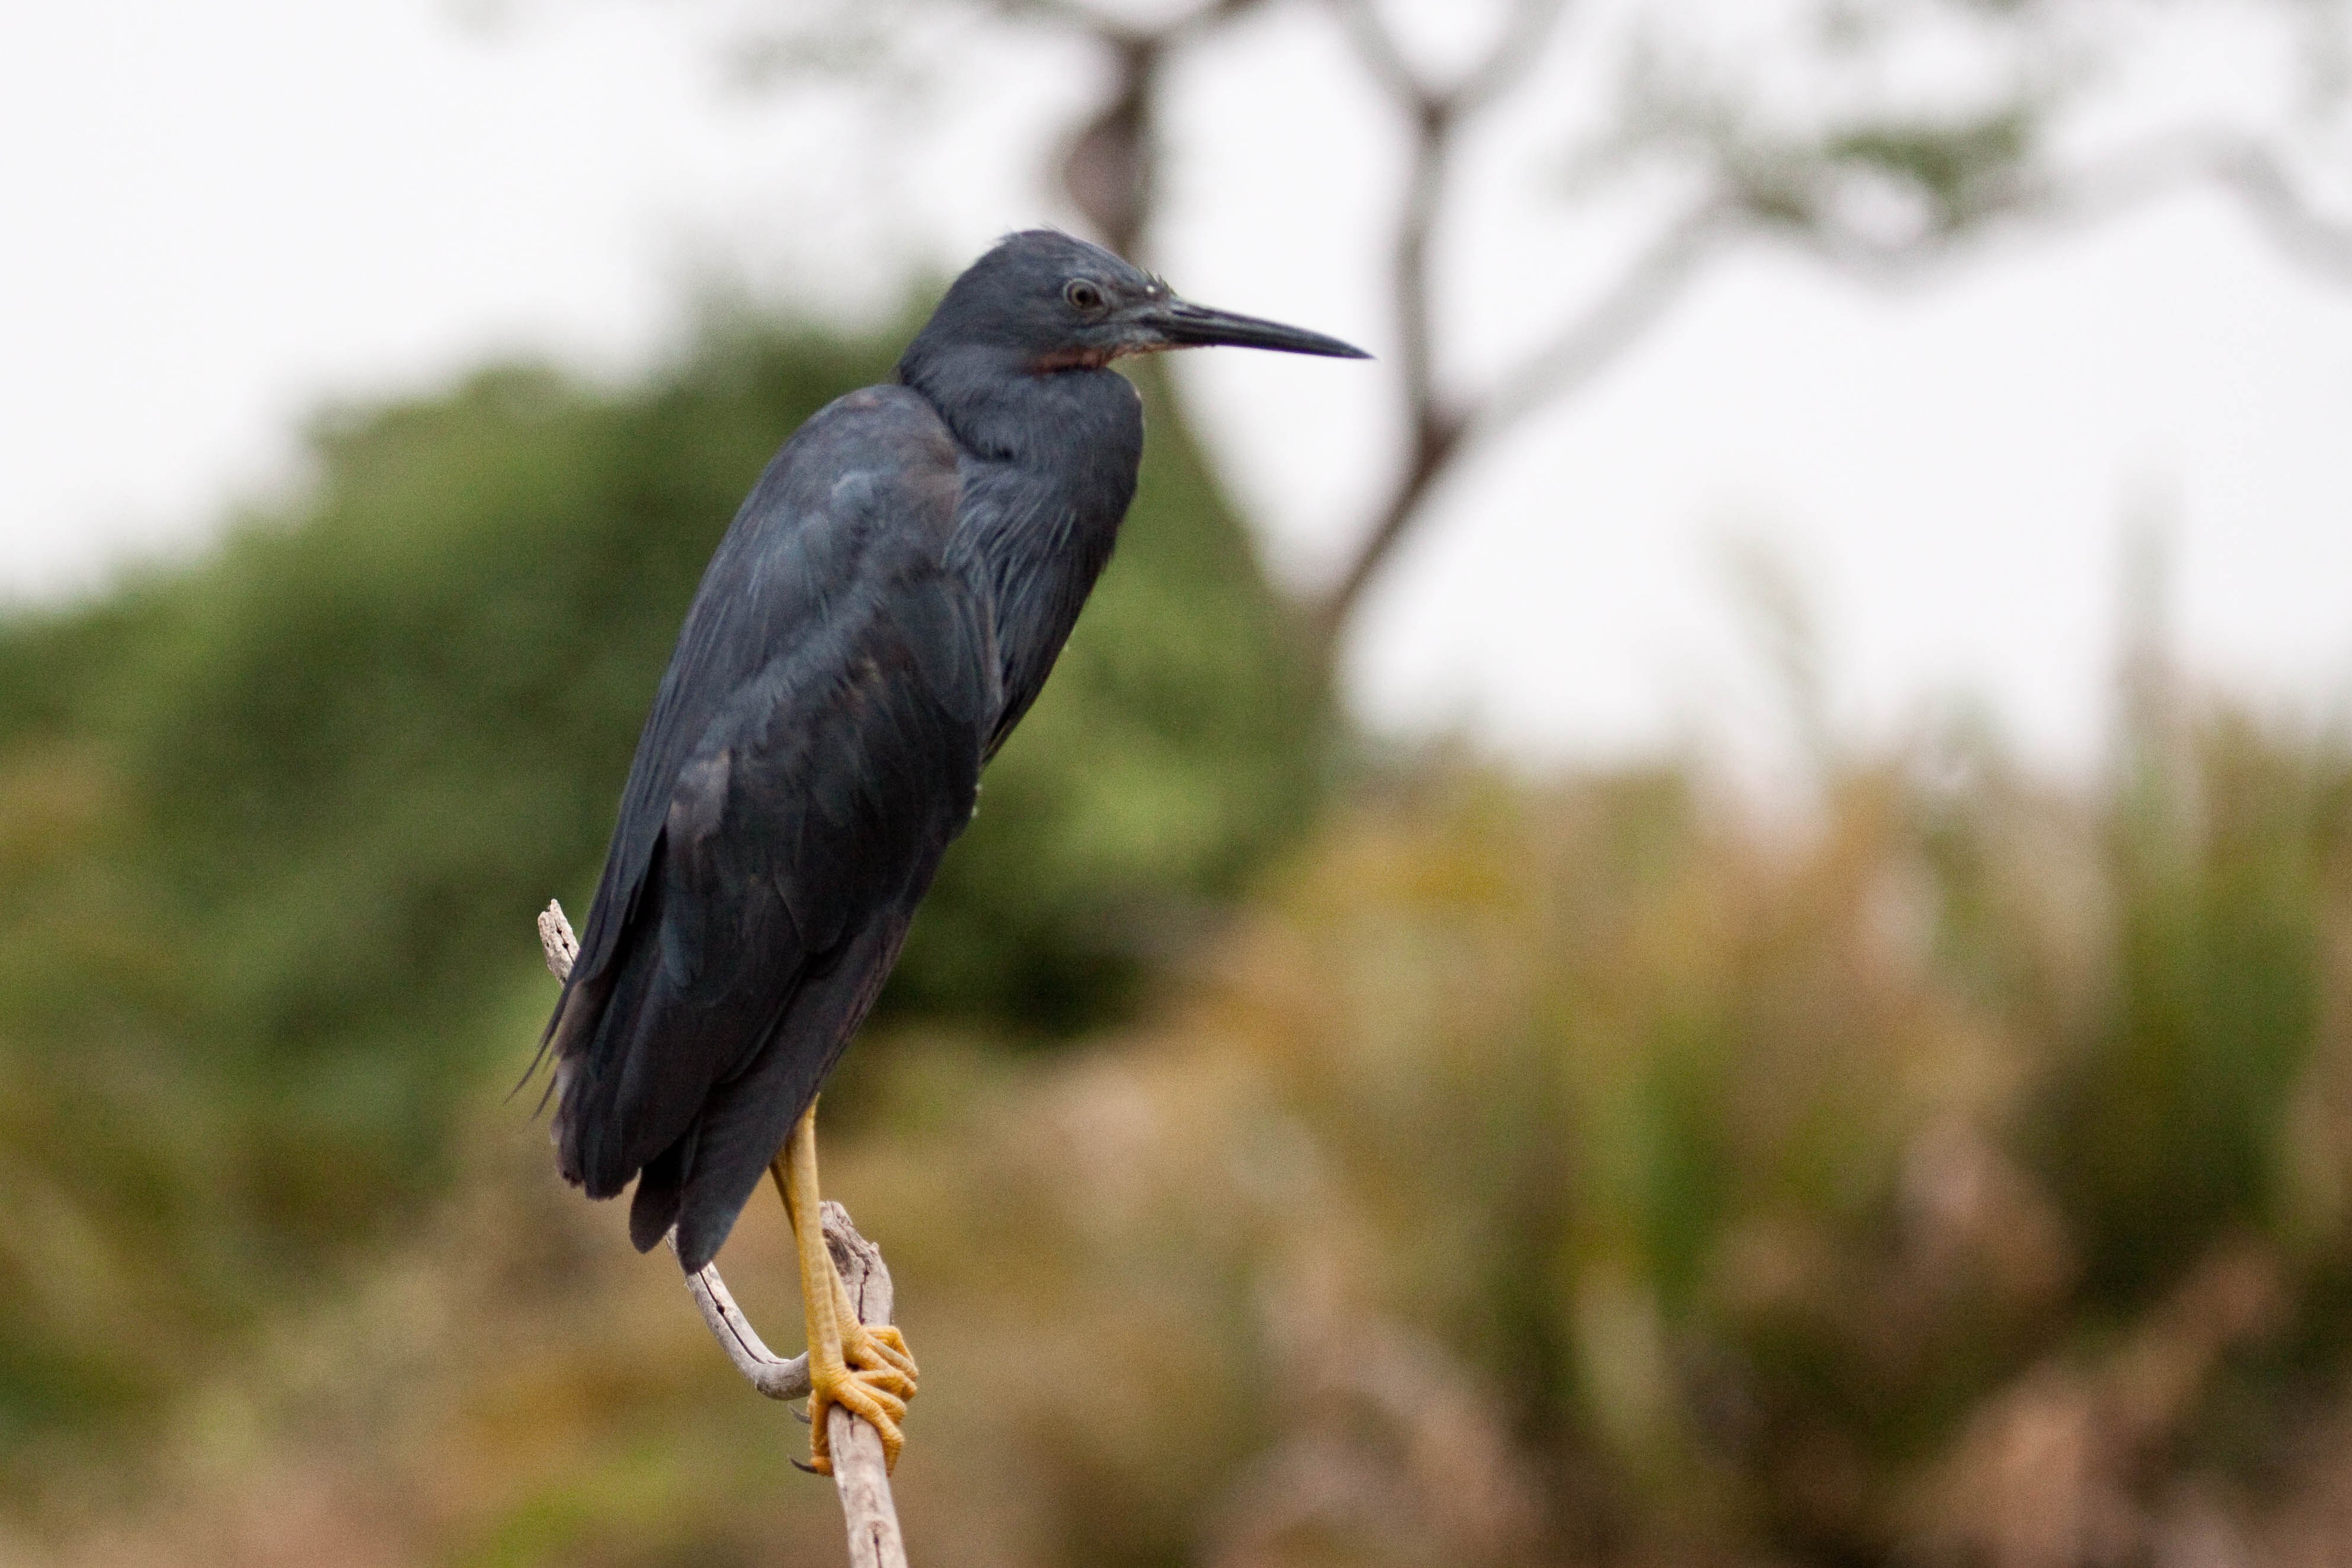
point(272, 824)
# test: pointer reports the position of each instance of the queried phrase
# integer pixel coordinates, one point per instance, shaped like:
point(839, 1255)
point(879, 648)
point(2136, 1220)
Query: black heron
point(884, 609)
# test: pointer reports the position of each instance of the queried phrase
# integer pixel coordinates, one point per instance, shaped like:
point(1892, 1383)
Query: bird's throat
point(1071, 359)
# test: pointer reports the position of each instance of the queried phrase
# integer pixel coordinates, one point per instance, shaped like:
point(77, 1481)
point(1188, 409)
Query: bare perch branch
point(859, 1464)
point(556, 941)
point(860, 1470)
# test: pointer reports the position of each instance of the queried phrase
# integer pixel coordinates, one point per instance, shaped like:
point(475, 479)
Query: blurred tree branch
point(1878, 179)
point(1966, 175)
point(1109, 167)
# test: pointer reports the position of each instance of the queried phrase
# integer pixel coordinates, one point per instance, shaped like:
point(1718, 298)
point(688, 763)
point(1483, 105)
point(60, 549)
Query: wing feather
point(815, 745)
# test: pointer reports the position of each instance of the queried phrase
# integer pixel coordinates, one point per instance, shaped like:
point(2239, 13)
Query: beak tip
point(1181, 324)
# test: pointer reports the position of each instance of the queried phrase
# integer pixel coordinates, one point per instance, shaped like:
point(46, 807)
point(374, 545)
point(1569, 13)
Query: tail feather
point(745, 1123)
point(660, 1031)
point(661, 1186)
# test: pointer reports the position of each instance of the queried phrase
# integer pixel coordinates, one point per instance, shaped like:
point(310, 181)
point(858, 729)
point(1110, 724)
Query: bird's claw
point(870, 1395)
point(874, 1383)
point(880, 1347)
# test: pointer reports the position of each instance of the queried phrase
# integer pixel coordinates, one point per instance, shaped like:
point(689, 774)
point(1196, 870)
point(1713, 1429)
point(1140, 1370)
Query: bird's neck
point(1072, 437)
point(1050, 468)
point(1004, 407)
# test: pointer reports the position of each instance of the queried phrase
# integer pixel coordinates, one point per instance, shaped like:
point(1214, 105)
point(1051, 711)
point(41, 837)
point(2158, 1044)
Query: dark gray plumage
point(887, 604)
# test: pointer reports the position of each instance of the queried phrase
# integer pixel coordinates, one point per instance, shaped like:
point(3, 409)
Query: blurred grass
point(1593, 1168)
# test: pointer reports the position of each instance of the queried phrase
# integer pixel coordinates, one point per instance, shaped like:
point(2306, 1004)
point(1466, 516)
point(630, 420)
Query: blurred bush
point(1590, 1171)
point(272, 823)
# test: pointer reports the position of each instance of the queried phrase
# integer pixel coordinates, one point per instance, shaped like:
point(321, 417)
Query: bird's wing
point(815, 744)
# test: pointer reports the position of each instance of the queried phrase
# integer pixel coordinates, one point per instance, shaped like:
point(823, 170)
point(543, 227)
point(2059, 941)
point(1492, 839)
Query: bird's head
point(1050, 302)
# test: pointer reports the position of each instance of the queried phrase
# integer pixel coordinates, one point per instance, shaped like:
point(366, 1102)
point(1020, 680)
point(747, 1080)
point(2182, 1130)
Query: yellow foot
point(874, 1384)
point(880, 1348)
point(865, 1371)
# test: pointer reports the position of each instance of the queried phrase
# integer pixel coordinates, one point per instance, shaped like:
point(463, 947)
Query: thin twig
point(1444, 426)
point(762, 1368)
point(2164, 165)
point(1440, 435)
point(860, 1470)
point(2095, 190)
point(1119, 31)
point(1651, 281)
point(1435, 427)
point(1513, 53)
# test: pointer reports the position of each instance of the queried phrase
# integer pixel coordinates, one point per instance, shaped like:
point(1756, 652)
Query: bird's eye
point(1082, 295)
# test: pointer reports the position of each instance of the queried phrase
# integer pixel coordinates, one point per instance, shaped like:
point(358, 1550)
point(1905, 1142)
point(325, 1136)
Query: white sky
point(213, 218)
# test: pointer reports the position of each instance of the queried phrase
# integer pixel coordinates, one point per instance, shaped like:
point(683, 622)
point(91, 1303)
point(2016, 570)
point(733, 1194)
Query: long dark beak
point(1178, 324)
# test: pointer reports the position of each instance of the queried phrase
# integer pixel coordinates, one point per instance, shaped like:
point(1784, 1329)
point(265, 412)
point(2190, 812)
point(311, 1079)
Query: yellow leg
point(866, 1370)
